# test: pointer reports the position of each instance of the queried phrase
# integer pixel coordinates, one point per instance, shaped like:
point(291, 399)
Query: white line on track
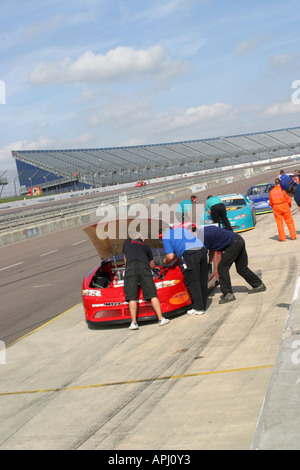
point(77, 243)
point(43, 254)
point(48, 253)
point(43, 285)
point(11, 266)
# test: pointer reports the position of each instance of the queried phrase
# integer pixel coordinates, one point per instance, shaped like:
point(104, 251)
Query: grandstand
point(71, 169)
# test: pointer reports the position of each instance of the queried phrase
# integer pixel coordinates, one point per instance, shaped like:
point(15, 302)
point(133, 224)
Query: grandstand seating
point(79, 168)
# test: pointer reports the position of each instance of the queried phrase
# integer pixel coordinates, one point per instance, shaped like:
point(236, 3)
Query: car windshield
point(231, 202)
point(269, 187)
point(256, 190)
point(260, 189)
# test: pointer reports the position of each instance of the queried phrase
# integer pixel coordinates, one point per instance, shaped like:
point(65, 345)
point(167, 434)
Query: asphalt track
point(197, 383)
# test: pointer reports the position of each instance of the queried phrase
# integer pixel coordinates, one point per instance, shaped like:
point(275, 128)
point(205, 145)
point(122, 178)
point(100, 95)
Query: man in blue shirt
point(182, 244)
point(217, 210)
point(233, 250)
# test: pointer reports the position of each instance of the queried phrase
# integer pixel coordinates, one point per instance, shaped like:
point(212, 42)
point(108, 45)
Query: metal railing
point(23, 218)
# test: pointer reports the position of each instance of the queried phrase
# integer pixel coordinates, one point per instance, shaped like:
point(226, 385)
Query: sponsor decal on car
point(161, 284)
point(179, 298)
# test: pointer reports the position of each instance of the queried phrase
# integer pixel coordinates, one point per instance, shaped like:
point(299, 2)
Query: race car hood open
point(120, 230)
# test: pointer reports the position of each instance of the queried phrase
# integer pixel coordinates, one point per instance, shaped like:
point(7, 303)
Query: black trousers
point(218, 213)
point(196, 276)
point(236, 253)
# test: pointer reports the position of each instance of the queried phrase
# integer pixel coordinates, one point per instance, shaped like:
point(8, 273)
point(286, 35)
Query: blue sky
point(104, 73)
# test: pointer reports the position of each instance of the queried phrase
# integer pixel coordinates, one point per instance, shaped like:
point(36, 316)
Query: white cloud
point(86, 96)
point(280, 60)
point(6, 160)
point(164, 10)
point(118, 64)
point(41, 143)
point(47, 26)
point(185, 124)
point(278, 109)
point(138, 118)
point(251, 45)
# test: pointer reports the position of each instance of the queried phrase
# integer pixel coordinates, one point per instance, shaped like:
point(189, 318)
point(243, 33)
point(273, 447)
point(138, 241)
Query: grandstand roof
point(164, 159)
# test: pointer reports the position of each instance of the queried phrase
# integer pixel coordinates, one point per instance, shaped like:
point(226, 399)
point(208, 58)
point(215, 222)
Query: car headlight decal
point(92, 292)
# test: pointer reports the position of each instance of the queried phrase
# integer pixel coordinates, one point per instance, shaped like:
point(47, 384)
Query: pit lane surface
point(197, 383)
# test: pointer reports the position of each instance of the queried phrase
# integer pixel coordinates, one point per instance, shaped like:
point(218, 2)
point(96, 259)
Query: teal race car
point(240, 212)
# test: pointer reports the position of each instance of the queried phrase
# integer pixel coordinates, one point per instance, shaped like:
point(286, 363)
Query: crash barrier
point(22, 223)
point(278, 426)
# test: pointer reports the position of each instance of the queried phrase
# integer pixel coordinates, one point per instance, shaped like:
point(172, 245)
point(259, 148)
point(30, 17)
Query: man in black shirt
point(138, 271)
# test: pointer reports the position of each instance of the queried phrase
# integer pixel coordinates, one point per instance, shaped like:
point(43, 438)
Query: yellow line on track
point(127, 382)
point(42, 326)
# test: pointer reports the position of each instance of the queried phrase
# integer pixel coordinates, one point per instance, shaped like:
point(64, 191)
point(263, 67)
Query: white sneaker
point(164, 321)
point(133, 326)
point(199, 312)
point(192, 311)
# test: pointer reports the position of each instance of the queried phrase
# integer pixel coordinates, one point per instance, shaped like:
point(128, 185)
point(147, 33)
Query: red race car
point(102, 288)
point(140, 183)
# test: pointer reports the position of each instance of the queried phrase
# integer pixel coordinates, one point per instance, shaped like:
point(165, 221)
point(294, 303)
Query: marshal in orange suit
point(281, 203)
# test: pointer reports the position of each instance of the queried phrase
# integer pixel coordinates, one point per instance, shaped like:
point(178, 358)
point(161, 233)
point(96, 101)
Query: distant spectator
point(184, 210)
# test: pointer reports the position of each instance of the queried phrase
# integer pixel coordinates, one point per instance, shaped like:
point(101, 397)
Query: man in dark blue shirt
point(297, 195)
point(233, 250)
